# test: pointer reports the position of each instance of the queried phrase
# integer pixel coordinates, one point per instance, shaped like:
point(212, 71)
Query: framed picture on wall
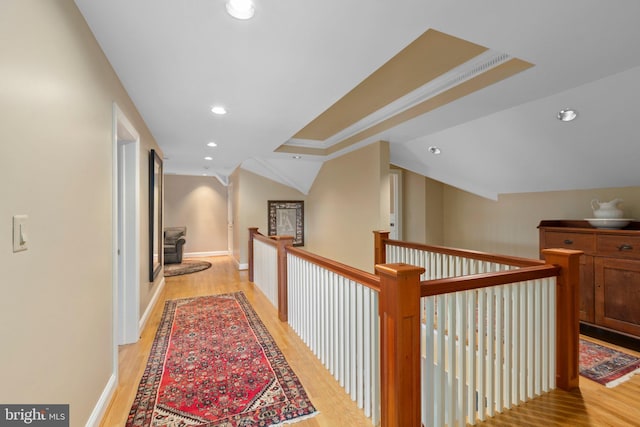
point(286, 218)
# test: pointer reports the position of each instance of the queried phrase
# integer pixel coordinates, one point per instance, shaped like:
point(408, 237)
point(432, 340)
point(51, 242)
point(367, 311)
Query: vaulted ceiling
point(304, 82)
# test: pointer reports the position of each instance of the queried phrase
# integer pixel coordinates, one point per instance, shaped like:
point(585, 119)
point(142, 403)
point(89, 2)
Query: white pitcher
point(606, 209)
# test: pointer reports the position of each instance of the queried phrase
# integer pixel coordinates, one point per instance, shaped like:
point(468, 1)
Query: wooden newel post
point(400, 344)
point(283, 296)
point(567, 316)
point(252, 231)
point(379, 247)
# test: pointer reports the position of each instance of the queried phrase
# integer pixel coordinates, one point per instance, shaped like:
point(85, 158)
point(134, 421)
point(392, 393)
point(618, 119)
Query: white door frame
point(395, 226)
point(126, 217)
point(230, 197)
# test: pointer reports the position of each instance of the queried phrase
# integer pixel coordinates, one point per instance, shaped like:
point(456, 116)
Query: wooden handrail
point(367, 279)
point(484, 280)
point(464, 253)
point(271, 240)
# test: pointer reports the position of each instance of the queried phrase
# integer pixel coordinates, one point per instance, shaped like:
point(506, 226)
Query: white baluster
point(482, 357)
point(462, 350)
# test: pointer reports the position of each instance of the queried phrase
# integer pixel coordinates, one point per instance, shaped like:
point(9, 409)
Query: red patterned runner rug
point(213, 363)
point(605, 365)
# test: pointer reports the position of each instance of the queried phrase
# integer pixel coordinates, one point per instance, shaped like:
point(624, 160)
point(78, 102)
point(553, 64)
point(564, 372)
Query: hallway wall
point(251, 194)
point(349, 199)
point(422, 209)
point(439, 214)
point(509, 225)
point(57, 91)
point(200, 204)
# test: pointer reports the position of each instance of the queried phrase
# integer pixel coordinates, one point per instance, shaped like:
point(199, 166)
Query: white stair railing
point(439, 265)
point(265, 276)
point(483, 350)
point(486, 350)
point(337, 317)
point(488, 326)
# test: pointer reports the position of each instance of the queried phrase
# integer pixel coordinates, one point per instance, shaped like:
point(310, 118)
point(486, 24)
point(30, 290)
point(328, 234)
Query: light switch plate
point(20, 233)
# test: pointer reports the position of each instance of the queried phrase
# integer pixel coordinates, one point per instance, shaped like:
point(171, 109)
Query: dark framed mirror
point(155, 215)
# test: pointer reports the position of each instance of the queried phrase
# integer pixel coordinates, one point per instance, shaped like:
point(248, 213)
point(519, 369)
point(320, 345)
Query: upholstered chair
point(174, 240)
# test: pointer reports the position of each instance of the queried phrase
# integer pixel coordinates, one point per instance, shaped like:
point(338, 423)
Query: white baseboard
point(103, 403)
point(149, 309)
point(204, 254)
point(107, 394)
point(241, 266)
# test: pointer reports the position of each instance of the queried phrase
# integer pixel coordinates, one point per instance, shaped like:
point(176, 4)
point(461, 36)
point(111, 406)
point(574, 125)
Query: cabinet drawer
point(619, 246)
point(578, 241)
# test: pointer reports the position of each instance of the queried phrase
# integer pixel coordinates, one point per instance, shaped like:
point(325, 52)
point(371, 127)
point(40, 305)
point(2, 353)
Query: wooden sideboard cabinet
point(609, 271)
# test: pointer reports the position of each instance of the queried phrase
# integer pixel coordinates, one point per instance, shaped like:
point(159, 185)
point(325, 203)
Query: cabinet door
point(618, 294)
point(587, 297)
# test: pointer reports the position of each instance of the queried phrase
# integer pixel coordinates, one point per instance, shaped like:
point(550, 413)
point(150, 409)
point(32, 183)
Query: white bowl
point(609, 223)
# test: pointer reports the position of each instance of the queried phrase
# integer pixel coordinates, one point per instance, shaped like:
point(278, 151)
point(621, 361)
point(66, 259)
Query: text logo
point(34, 415)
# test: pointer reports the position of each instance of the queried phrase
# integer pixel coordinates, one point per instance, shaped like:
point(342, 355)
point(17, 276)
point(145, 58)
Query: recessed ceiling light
point(212, 144)
point(208, 158)
point(241, 9)
point(567, 115)
point(297, 157)
point(434, 150)
point(218, 109)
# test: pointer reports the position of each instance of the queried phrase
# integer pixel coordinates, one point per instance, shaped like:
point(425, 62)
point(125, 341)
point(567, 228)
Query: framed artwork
point(286, 218)
point(155, 215)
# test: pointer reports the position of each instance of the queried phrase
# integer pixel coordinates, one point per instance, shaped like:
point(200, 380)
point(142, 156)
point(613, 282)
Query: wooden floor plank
point(591, 405)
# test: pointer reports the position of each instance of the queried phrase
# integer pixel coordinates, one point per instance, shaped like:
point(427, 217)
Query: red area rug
point(605, 365)
point(213, 363)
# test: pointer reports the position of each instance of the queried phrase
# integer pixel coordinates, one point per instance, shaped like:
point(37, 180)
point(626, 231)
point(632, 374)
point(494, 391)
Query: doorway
point(395, 217)
point(126, 298)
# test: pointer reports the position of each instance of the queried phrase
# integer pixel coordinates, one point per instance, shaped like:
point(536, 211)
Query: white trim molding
point(103, 403)
point(204, 254)
point(152, 304)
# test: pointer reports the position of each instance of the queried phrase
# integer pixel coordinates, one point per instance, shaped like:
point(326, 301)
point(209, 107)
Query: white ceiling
point(294, 59)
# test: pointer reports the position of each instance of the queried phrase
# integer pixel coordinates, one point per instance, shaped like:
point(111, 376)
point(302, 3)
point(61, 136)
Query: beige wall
point(508, 225)
point(200, 204)
point(349, 199)
point(56, 98)
point(434, 212)
point(251, 193)
point(414, 216)
point(438, 214)
point(422, 209)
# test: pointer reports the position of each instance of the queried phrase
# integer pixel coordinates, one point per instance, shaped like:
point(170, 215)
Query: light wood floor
point(592, 405)
point(334, 406)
